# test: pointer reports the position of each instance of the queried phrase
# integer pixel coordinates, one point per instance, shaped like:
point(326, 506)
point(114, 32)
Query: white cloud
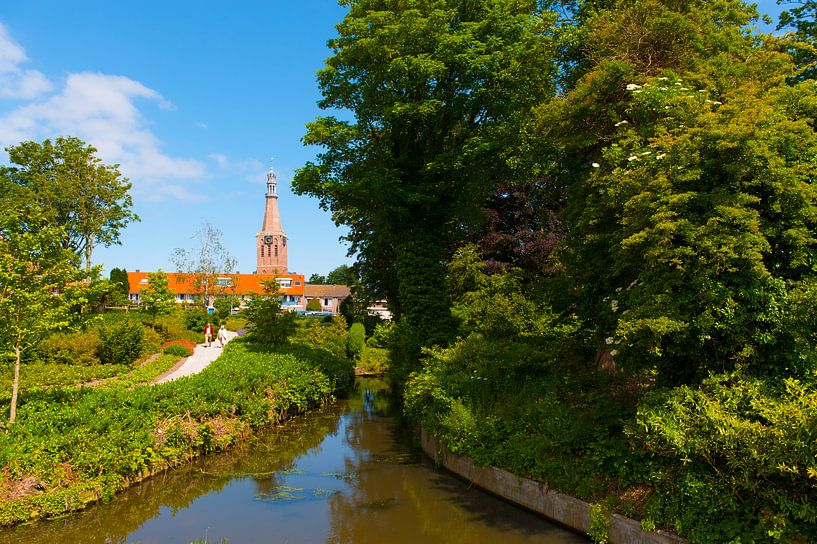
point(15, 81)
point(100, 109)
point(251, 170)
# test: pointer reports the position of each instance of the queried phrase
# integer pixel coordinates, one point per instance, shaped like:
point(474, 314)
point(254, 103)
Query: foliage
point(121, 343)
point(75, 348)
point(802, 18)
point(223, 306)
point(435, 89)
point(331, 336)
point(313, 305)
point(316, 279)
point(382, 335)
point(38, 283)
point(201, 266)
point(106, 438)
point(356, 340)
point(235, 323)
point(342, 275)
point(119, 277)
point(373, 361)
point(270, 326)
point(735, 449)
point(157, 298)
point(178, 350)
point(88, 199)
point(196, 320)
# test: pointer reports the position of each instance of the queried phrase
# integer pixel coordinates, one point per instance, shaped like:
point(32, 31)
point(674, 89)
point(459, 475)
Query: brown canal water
point(347, 473)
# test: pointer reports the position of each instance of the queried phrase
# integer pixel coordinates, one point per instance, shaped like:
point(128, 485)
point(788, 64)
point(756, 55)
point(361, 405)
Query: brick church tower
point(271, 242)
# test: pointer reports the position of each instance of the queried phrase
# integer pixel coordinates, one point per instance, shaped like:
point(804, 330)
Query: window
point(224, 282)
point(276, 250)
point(326, 302)
point(297, 282)
point(285, 283)
point(284, 240)
point(143, 281)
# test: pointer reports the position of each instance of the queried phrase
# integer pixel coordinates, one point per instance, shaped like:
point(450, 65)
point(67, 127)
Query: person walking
point(208, 334)
point(222, 335)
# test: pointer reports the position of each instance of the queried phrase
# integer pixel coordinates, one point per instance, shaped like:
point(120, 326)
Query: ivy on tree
point(436, 89)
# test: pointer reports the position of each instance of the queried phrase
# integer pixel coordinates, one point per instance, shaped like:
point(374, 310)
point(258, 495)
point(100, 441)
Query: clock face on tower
point(268, 239)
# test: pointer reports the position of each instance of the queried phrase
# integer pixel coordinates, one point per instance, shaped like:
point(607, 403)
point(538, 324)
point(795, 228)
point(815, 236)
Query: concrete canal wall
point(538, 497)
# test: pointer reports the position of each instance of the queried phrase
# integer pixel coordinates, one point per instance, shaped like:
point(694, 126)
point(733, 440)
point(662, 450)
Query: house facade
point(330, 296)
point(239, 287)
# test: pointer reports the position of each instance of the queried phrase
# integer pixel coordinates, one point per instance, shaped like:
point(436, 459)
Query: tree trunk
point(15, 385)
point(89, 248)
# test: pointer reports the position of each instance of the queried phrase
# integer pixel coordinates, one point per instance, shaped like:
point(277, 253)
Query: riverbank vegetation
point(596, 226)
point(75, 445)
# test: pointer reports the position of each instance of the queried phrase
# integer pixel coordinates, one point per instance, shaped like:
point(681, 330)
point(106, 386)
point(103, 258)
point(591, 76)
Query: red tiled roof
point(244, 284)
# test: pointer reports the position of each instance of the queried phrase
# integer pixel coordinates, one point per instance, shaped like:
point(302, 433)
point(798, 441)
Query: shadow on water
point(347, 473)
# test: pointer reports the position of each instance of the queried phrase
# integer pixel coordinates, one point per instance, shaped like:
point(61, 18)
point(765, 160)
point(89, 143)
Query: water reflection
point(343, 474)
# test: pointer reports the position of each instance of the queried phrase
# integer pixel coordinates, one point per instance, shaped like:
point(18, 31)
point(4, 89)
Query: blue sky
point(192, 99)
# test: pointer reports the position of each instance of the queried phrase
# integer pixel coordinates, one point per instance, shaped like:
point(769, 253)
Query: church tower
point(271, 242)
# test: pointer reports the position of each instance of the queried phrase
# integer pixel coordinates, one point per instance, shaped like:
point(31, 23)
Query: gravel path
point(202, 356)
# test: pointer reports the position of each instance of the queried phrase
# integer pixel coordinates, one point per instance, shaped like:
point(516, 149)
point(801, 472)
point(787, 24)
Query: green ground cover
point(75, 445)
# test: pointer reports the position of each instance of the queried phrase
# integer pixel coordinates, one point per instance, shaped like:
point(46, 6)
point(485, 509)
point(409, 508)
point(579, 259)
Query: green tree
point(39, 284)
point(317, 279)
point(690, 210)
point(157, 298)
point(802, 19)
point(91, 200)
point(201, 266)
point(119, 277)
point(313, 305)
point(342, 275)
point(270, 326)
point(436, 89)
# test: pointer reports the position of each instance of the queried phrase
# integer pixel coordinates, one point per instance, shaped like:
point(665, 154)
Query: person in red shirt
point(208, 334)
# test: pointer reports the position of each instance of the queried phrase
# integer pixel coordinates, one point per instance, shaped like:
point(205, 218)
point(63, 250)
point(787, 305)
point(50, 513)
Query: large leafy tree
point(686, 158)
point(40, 284)
point(434, 89)
point(76, 191)
point(342, 275)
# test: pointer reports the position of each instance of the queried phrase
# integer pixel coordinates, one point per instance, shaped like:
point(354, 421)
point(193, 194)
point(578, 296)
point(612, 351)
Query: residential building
point(330, 296)
point(237, 286)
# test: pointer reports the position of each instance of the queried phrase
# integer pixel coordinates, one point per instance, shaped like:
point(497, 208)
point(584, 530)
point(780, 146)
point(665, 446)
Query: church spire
point(271, 242)
point(272, 183)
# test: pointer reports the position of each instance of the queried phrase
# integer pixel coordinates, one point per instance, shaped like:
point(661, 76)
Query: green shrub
point(356, 340)
point(331, 336)
point(313, 305)
point(152, 342)
point(178, 350)
point(196, 320)
point(76, 348)
point(223, 307)
point(735, 449)
point(373, 361)
point(121, 343)
point(382, 336)
point(234, 323)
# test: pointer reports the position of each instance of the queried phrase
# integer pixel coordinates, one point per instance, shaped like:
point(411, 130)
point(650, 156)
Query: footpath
point(202, 356)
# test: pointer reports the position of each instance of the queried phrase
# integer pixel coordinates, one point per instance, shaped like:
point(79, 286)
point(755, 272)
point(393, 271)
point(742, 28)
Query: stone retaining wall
point(539, 498)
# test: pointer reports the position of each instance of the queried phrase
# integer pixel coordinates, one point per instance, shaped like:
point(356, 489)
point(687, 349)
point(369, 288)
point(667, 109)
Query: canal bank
point(346, 472)
point(538, 497)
